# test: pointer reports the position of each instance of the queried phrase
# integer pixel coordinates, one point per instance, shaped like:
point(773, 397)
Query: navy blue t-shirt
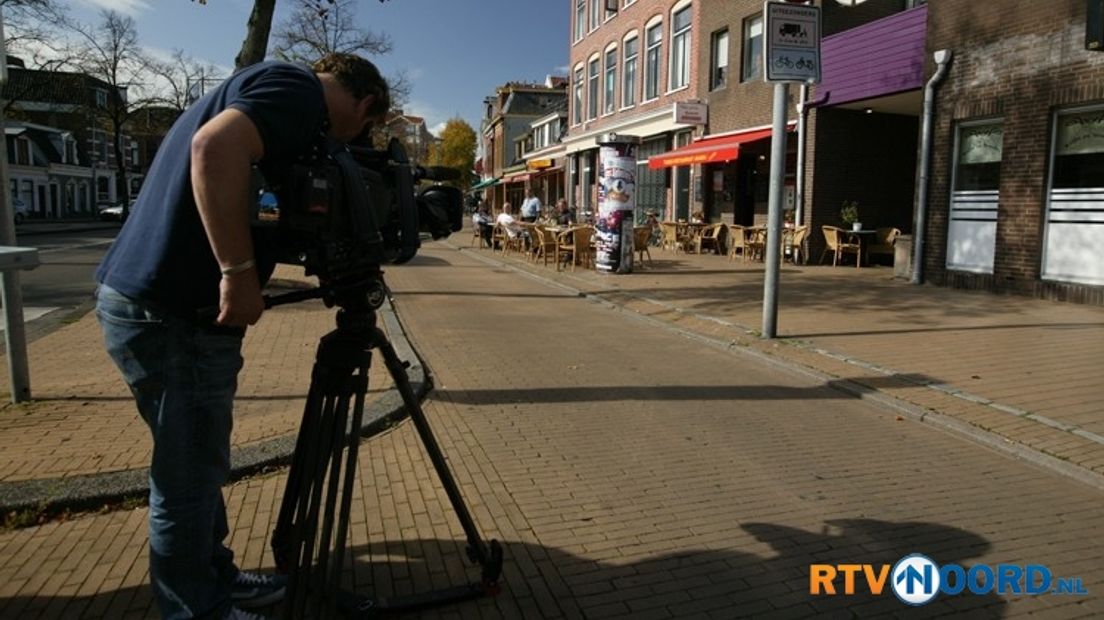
point(162, 254)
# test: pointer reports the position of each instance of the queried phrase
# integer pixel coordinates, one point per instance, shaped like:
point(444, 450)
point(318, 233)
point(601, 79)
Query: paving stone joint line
point(981, 434)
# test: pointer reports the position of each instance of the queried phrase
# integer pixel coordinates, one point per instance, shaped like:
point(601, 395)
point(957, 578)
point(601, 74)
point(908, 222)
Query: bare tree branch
point(319, 27)
point(110, 52)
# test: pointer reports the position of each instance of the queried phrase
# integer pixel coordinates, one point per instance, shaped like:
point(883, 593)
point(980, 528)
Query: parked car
point(111, 213)
point(20, 210)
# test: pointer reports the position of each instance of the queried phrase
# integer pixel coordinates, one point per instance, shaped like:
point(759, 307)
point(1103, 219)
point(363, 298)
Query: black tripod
point(309, 540)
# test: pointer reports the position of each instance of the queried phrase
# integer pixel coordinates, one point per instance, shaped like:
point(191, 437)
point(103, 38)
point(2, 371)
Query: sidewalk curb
point(48, 228)
point(893, 404)
point(91, 491)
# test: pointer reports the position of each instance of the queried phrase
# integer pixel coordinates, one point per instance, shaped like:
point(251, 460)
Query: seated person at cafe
point(481, 219)
point(564, 217)
point(506, 219)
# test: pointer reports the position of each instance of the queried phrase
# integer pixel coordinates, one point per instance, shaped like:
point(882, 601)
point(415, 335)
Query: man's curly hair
point(360, 77)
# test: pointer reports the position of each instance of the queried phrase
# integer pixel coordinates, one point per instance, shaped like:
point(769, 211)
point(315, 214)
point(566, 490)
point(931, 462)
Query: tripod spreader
point(309, 540)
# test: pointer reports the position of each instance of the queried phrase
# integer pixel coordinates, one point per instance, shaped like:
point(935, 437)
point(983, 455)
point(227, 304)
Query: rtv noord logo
point(916, 579)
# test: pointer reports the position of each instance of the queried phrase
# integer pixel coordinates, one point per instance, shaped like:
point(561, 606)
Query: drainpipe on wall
point(803, 107)
point(942, 59)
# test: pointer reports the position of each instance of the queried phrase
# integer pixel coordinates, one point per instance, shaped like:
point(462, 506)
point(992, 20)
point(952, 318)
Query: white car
point(113, 213)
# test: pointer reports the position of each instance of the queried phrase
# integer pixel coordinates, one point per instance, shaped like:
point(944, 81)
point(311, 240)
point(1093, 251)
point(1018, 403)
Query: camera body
point(344, 211)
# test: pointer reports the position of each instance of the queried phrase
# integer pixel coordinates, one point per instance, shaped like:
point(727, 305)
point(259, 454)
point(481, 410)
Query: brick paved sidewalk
point(1011, 372)
point(81, 425)
point(686, 481)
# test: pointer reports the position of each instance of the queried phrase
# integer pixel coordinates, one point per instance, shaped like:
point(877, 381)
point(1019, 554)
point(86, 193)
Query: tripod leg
point(308, 435)
point(489, 559)
point(321, 586)
point(360, 389)
point(306, 514)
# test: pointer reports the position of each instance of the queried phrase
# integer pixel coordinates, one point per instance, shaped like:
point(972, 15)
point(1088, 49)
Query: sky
point(454, 52)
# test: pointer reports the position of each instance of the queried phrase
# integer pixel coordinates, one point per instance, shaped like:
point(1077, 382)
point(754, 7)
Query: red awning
point(708, 150)
point(517, 178)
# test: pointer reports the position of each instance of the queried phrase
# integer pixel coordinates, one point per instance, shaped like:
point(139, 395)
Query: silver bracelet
point(240, 267)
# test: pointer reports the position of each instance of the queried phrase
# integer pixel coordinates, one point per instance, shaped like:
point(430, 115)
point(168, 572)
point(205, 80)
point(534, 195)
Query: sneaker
point(238, 614)
point(252, 590)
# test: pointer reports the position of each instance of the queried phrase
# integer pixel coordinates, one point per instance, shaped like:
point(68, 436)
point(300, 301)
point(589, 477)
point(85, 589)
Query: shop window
point(1075, 206)
point(718, 60)
point(1079, 150)
point(975, 197)
point(753, 48)
point(979, 157)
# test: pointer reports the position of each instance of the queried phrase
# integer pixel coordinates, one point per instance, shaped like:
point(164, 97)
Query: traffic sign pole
point(791, 35)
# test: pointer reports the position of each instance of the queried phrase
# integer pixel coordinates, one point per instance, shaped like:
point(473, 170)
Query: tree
point(255, 45)
point(319, 27)
point(184, 79)
point(456, 149)
point(110, 52)
point(33, 30)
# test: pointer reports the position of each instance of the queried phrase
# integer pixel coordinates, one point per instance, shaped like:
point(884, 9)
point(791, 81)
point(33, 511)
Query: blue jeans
point(183, 376)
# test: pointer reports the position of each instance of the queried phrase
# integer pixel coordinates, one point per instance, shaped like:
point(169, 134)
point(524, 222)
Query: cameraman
point(187, 246)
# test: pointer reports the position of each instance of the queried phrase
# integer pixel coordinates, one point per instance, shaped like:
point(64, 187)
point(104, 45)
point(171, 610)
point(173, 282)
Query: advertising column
point(616, 203)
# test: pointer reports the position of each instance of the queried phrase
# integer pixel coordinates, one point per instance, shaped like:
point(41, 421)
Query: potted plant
point(849, 213)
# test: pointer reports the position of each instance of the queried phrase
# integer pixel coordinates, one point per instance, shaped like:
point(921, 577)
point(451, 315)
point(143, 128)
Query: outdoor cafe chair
point(755, 242)
point(498, 237)
point(800, 234)
point(544, 243)
point(641, 236)
point(510, 242)
point(674, 237)
point(574, 243)
point(736, 242)
point(709, 236)
point(884, 239)
point(839, 244)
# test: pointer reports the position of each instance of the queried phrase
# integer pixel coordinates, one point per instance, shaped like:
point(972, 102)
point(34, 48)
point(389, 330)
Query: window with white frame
point(595, 13)
point(592, 88)
point(1075, 207)
point(577, 96)
point(679, 73)
point(653, 38)
point(628, 84)
point(580, 19)
point(718, 60)
point(625, 3)
point(610, 90)
point(753, 48)
point(975, 196)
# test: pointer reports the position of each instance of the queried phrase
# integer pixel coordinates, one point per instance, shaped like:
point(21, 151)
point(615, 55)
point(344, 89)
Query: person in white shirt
point(506, 219)
point(482, 222)
point(530, 208)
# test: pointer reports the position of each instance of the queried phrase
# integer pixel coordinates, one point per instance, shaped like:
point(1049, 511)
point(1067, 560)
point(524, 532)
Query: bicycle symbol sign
point(792, 40)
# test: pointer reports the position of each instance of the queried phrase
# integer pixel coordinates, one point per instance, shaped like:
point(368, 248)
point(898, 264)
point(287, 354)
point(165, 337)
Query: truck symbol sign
point(793, 30)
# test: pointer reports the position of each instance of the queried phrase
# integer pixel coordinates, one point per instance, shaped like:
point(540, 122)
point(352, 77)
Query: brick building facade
point(1017, 181)
point(627, 70)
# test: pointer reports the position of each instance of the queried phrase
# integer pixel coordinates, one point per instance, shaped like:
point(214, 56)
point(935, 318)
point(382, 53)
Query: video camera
point(345, 211)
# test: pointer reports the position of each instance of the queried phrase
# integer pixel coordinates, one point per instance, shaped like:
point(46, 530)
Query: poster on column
point(616, 204)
